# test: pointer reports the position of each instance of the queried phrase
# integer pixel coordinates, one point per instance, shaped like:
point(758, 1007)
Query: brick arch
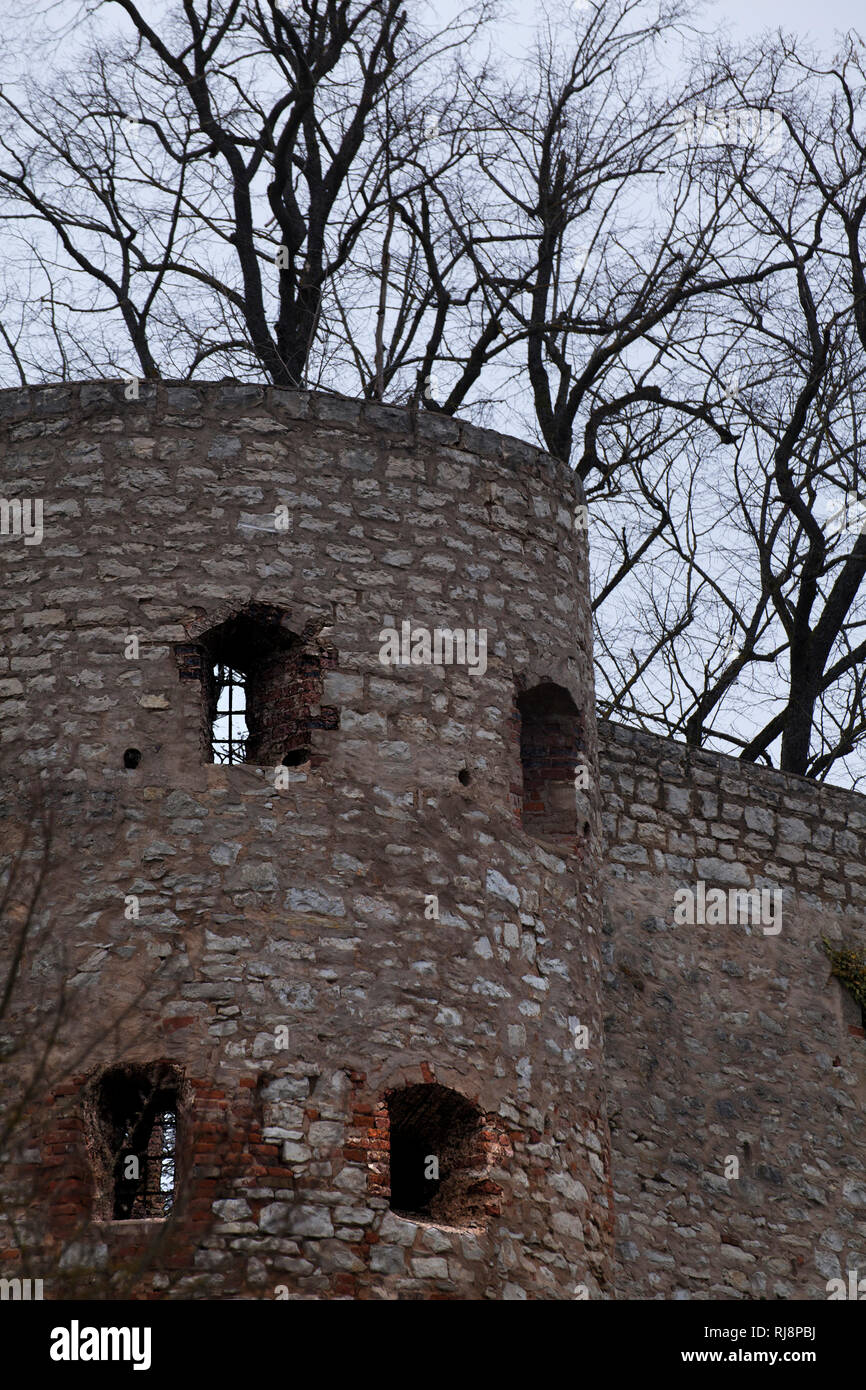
point(466, 1141)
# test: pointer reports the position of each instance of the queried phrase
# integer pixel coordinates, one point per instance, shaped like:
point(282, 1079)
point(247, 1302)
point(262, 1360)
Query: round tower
point(297, 706)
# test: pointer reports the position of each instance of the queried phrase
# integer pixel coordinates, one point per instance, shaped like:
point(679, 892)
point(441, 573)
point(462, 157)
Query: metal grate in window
point(145, 1173)
point(230, 731)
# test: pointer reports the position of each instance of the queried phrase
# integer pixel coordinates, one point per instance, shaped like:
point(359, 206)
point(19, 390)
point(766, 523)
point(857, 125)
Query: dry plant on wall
point(848, 966)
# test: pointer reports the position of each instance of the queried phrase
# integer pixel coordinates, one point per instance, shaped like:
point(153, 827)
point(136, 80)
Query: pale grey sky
point(804, 16)
point(744, 17)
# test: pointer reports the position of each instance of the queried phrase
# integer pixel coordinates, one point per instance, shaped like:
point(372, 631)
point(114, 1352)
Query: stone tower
point(331, 1024)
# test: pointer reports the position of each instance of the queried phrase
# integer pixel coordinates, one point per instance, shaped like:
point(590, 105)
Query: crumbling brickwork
point(301, 940)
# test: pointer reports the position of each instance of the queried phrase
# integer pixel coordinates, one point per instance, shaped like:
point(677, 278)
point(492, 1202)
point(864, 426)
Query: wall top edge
point(660, 748)
point(411, 424)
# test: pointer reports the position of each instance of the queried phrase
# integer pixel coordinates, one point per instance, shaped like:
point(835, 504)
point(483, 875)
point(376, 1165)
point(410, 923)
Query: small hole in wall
point(296, 757)
point(586, 827)
point(463, 777)
point(131, 757)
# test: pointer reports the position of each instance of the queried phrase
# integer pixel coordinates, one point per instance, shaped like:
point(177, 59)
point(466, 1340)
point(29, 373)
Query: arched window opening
point(551, 743)
point(262, 688)
point(133, 1121)
point(437, 1156)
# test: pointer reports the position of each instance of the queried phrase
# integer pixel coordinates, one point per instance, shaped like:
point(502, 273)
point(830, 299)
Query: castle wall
point(725, 1041)
point(275, 942)
point(272, 939)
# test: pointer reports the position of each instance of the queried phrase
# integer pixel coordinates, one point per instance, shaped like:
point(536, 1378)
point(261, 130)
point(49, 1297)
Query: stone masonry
point(724, 1042)
point(431, 914)
point(349, 931)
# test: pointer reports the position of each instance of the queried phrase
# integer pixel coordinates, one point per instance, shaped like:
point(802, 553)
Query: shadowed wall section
point(736, 1063)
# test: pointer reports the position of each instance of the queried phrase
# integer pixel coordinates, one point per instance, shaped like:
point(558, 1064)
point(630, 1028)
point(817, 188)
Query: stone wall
point(300, 947)
point(727, 1041)
point(410, 908)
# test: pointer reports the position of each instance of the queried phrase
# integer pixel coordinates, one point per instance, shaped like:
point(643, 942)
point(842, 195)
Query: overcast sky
point(804, 16)
point(743, 17)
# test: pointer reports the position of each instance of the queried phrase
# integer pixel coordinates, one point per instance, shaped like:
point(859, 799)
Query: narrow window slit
point(229, 740)
point(551, 741)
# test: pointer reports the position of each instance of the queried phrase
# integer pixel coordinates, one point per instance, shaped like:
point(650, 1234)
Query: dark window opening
point(437, 1156)
point(134, 1126)
point(131, 757)
point(550, 746)
point(463, 777)
point(262, 687)
point(144, 1171)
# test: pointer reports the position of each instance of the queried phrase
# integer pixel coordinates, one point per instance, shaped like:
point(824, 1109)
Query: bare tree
point(751, 612)
point(330, 193)
point(207, 180)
